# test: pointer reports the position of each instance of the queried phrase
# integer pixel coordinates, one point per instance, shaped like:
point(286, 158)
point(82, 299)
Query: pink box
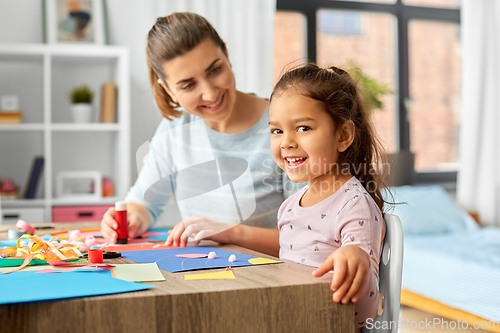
point(79, 213)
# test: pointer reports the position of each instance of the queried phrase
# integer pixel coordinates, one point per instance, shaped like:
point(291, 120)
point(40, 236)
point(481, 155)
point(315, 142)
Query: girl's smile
point(294, 162)
point(304, 139)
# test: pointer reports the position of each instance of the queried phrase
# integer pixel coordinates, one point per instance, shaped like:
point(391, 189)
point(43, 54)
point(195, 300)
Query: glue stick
point(121, 218)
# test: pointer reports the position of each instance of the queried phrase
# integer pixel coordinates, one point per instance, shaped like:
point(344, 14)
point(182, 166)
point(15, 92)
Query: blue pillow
point(428, 210)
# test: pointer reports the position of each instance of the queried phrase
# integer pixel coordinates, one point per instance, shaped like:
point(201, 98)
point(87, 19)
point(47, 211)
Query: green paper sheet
point(5, 262)
point(138, 272)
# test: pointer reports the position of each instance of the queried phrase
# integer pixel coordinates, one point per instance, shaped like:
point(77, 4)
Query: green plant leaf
point(82, 94)
point(371, 90)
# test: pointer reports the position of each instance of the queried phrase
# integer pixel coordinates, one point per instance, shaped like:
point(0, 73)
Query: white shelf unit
point(42, 76)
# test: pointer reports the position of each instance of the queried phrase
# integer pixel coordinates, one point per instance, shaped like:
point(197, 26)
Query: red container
point(121, 219)
point(95, 256)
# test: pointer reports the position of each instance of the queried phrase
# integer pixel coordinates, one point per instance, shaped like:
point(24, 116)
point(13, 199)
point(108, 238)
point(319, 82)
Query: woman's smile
point(213, 107)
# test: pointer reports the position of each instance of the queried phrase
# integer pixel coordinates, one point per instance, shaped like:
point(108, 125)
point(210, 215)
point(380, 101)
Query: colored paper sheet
point(192, 255)
point(157, 233)
point(13, 242)
point(135, 247)
point(23, 287)
point(263, 261)
point(36, 266)
point(6, 262)
point(167, 260)
point(138, 272)
point(100, 240)
point(153, 234)
point(224, 275)
point(9, 243)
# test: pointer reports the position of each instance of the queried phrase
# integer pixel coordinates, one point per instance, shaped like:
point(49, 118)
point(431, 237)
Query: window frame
point(403, 14)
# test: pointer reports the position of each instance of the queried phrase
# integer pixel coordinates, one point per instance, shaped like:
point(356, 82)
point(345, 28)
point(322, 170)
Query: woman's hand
point(351, 266)
point(200, 228)
point(137, 221)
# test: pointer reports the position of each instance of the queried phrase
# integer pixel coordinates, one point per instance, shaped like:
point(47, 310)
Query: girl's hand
point(200, 228)
point(351, 265)
point(109, 225)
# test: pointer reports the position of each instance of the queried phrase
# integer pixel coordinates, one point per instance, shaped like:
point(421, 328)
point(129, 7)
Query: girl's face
point(202, 82)
point(304, 140)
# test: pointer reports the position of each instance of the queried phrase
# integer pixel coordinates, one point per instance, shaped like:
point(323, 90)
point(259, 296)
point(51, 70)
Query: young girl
point(321, 135)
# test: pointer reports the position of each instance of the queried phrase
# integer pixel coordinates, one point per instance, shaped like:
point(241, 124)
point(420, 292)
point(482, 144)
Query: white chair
point(390, 272)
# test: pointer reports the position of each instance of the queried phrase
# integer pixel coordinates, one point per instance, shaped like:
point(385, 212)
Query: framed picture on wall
point(74, 21)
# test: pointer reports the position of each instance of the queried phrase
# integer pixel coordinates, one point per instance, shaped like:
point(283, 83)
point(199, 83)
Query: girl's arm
point(258, 239)
point(351, 265)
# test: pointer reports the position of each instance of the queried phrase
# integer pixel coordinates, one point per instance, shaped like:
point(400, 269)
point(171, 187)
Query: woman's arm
point(137, 218)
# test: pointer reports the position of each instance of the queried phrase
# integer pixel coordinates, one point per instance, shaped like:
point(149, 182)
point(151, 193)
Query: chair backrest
point(390, 272)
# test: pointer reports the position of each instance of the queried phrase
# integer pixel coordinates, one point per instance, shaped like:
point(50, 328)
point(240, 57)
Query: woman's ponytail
point(163, 100)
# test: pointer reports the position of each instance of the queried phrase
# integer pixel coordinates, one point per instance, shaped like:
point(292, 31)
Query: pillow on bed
point(428, 209)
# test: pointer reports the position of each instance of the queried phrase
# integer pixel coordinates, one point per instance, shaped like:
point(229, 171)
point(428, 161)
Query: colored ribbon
point(39, 248)
point(26, 227)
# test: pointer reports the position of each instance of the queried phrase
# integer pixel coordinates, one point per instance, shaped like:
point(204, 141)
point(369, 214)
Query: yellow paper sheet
point(211, 276)
point(262, 261)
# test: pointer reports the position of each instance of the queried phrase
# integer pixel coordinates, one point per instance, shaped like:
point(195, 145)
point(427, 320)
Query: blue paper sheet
point(159, 237)
point(166, 259)
point(29, 286)
point(13, 242)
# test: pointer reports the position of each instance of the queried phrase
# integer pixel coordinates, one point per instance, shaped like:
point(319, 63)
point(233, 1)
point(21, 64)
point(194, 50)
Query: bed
point(451, 265)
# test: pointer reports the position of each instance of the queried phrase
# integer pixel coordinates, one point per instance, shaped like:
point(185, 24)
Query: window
point(411, 45)
point(339, 22)
point(289, 41)
point(434, 94)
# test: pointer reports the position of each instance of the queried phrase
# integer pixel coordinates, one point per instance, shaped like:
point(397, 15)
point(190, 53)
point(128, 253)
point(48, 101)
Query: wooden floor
point(415, 316)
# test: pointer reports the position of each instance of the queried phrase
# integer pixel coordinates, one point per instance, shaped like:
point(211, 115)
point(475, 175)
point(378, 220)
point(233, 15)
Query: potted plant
point(81, 103)
point(371, 90)
point(401, 163)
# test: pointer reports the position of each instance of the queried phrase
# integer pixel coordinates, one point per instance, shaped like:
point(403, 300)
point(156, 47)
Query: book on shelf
point(34, 177)
point(10, 117)
point(108, 102)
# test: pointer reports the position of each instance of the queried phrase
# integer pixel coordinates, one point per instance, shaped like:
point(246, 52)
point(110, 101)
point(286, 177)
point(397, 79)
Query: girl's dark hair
point(170, 37)
point(339, 93)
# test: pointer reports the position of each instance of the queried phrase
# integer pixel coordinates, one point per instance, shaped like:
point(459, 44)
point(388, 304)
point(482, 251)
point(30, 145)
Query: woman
point(189, 68)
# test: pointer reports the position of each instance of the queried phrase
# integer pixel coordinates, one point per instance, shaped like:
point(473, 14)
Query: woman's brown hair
point(339, 93)
point(170, 37)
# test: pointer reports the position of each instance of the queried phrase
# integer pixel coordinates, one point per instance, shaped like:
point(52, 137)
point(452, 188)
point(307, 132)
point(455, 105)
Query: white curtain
point(247, 29)
point(478, 187)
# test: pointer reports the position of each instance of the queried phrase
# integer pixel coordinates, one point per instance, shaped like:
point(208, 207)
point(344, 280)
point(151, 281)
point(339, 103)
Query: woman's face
point(202, 82)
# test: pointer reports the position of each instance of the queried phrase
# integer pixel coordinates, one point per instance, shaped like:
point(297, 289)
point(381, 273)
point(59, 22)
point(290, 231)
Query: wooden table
point(268, 298)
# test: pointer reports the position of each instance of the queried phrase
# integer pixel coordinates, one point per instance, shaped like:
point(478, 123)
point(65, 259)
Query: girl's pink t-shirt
point(308, 235)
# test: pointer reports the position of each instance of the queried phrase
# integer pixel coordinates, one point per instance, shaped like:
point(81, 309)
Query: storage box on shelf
point(79, 213)
point(42, 77)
